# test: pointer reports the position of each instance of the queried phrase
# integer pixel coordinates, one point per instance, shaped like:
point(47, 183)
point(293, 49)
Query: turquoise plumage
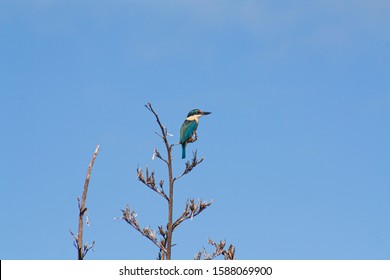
point(188, 128)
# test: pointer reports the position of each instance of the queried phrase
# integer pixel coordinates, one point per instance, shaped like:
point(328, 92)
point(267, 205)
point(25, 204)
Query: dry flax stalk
point(83, 209)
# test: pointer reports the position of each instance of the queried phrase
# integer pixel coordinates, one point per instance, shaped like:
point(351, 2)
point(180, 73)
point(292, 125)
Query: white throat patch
point(194, 118)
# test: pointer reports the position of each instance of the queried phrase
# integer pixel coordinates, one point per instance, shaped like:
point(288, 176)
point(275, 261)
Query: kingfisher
point(188, 128)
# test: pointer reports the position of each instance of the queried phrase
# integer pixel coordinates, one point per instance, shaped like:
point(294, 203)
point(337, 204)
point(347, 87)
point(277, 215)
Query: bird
point(188, 128)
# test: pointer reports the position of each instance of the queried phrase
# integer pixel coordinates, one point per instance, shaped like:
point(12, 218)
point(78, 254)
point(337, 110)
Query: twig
point(131, 218)
point(150, 182)
point(219, 250)
point(164, 131)
point(190, 165)
point(191, 210)
point(156, 153)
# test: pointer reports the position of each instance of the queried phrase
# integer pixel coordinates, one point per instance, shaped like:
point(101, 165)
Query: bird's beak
point(206, 113)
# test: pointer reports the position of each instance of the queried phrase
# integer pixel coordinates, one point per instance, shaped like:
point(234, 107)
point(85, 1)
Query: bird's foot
point(193, 139)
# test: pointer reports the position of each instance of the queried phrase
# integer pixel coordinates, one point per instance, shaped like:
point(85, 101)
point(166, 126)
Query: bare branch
point(131, 218)
point(164, 242)
point(75, 239)
point(159, 135)
point(168, 161)
point(190, 165)
point(87, 247)
point(219, 250)
point(82, 249)
point(191, 210)
point(150, 182)
point(156, 153)
point(164, 130)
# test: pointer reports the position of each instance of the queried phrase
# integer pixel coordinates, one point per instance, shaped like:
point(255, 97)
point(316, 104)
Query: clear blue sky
point(296, 151)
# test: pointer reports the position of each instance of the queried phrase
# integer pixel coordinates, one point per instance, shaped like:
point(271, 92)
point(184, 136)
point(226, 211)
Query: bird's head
point(197, 112)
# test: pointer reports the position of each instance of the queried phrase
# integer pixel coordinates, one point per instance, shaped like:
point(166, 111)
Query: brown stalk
point(82, 249)
point(171, 181)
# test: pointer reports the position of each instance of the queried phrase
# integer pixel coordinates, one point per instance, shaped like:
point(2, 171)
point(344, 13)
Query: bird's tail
point(183, 150)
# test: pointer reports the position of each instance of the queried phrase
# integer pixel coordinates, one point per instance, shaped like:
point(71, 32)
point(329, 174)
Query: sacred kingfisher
point(188, 128)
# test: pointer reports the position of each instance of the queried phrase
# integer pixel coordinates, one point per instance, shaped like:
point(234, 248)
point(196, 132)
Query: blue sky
point(296, 151)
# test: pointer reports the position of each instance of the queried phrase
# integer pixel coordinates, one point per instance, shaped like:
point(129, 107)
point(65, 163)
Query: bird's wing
point(187, 129)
